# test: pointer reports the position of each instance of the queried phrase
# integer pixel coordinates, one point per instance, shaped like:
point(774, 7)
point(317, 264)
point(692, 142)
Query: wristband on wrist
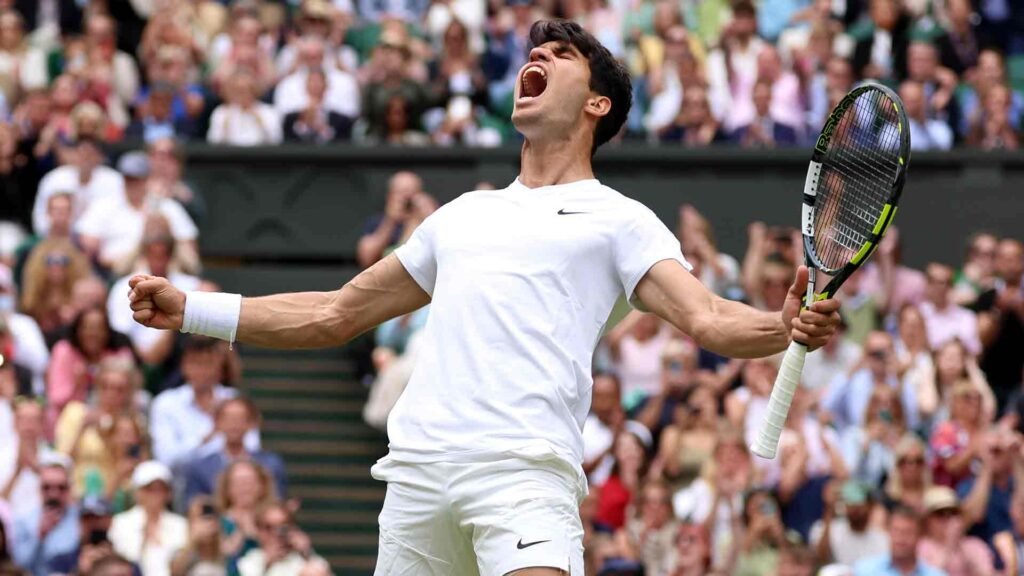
point(213, 314)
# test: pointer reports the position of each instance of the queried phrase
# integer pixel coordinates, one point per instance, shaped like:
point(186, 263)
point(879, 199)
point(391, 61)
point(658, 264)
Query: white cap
point(150, 471)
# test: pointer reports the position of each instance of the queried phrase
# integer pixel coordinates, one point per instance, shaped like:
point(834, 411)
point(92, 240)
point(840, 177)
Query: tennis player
point(484, 470)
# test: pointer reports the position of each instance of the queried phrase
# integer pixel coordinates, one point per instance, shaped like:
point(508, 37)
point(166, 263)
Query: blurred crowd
point(901, 454)
point(751, 73)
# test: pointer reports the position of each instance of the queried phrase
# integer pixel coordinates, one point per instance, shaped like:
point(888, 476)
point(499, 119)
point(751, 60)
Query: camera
point(97, 536)
point(207, 510)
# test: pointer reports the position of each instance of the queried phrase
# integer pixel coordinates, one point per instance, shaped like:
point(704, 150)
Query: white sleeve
point(182, 226)
point(93, 221)
point(215, 135)
point(30, 348)
point(640, 245)
point(272, 123)
point(47, 188)
point(419, 255)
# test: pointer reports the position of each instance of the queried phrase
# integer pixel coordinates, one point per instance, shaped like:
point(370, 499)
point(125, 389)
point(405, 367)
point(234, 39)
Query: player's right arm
point(296, 320)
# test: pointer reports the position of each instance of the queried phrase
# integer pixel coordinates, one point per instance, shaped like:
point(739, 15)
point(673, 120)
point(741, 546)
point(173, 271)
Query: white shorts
point(478, 519)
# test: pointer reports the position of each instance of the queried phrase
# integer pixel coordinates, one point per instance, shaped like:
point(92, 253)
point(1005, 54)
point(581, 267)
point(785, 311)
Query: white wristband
point(212, 314)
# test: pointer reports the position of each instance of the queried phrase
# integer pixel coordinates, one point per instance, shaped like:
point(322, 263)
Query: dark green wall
point(309, 204)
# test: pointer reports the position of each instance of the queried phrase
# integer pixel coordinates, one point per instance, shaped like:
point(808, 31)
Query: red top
point(612, 499)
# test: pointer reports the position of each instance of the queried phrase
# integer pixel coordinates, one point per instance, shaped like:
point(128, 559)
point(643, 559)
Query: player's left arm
point(731, 328)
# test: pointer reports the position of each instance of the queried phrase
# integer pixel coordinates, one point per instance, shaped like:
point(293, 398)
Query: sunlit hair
point(222, 495)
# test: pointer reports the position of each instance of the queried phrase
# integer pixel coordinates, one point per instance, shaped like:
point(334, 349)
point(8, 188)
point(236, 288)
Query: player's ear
point(598, 105)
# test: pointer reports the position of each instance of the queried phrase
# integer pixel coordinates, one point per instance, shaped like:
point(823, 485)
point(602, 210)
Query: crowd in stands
point(750, 73)
point(902, 451)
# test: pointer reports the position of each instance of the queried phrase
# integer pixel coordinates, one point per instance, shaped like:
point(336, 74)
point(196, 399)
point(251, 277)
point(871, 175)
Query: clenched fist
point(156, 303)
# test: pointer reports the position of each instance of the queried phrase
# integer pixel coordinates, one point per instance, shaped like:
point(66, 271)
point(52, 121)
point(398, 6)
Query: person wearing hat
point(844, 534)
point(43, 535)
point(112, 229)
point(84, 176)
point(945, 544)
point(95, 515)
point(149, 534)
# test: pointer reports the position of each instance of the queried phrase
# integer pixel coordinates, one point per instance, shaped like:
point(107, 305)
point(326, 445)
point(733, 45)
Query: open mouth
point(533, 83)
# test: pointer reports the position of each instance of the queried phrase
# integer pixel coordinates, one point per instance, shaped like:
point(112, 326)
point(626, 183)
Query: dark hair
point(101, 566)
point(195, 343)
point(115, 340)
point(254, 413)
point(904, 511)
point(744, 8)
point(608, 77)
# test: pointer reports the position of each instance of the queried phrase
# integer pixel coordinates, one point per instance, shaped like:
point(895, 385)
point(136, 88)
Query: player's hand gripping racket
point(850, 195)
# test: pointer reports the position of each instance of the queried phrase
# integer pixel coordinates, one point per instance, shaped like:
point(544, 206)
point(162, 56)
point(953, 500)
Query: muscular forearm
point(736, 330)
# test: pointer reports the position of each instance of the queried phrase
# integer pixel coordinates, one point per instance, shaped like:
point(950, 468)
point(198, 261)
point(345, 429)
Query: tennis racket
point(850, 196)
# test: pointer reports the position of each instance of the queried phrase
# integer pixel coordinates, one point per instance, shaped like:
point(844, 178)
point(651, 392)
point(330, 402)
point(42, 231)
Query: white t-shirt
point(105, 182)
point(597, 439)
point(120, 226)
point(230, 124)
point(522, 282)
point(342, 94)
point(639, 364)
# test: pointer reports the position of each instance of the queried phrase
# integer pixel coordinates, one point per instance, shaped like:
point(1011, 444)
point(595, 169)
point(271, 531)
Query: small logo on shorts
point(563, 212)
point(521, 546)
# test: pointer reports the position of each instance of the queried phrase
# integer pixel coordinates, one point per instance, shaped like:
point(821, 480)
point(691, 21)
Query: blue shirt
point(997, 513)
point(847, 399)
point(882, 566)
point(37, 556)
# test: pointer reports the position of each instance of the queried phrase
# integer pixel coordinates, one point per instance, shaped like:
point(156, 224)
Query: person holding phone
point(284, 548)
point(202, 555)
point(148, 534)
point(762, 537)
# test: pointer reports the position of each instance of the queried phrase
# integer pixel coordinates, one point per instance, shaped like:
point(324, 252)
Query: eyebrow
point(565, 48)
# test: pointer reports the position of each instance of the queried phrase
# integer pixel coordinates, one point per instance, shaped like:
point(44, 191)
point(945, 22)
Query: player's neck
point(554, 162)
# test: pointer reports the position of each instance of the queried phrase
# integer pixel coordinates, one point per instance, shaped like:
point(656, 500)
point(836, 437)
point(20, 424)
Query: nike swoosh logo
point(562, 212)
point(520, 545)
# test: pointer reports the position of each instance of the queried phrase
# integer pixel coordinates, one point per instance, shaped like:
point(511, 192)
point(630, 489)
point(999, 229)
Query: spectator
point(845, 534)
point(695, 126)
point(630, 468)
point(244, 46)
point(944, 544)
point(689, 441)
point(59, 210)
point(925, 133)
point(399, 127)
point(166, 177)
point(605, 421)
point(765, 131)
point(84, 176)
point(958, 442)
point(283, 548)
point(76, 359)
point(937, 81)
point(22, 67)
point(87, 433)
point(114, 71)
point(837, 78)
point(51, 271)
point(869, 451)
point(988, 74)
point(636, 344)
point(21, 341)
point(109, 564)
point(881, 50)
point(384, 230)
point(836, 357)
point(733, 67)
point(762, 537)
point(944, 320)
point(389, 78)
point(341, 93)
point(978, 271)
point(910, 476)
point(182, 425)
point(649, 535)
point(953, 366)
point(316, 123)
point(847, 398)
point(44, 534)
point(991, 128)
point(113, 229)
point(233, 419)
point(148, 534)
point(795, 560)
point(1001, 322)
point(1007, 543)
point(244, 488)
point(893, 284)
point(720, 272)
point(155, 117)
point(23, 467)
point(94, 520)
point(202, 554)
point(904, 537)
point(242, 120)
point(985, 495)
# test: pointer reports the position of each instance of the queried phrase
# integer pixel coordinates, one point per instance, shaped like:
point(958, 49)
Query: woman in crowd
point(630, 469)
point(910, 476)
point(958, 441)
point(22, 67)
point(89, 433)
point(649, 535)
point(51, 271)
point(692, 552)
point(202, 556)
point(762, 535)
point(914, 360)
point(954, 365)
point(128, 446)
point(689, 441)
point(869, 451)
point(243, 489)
point(76, 359)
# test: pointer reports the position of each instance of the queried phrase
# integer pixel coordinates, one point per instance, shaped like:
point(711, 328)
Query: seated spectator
point(22, 66)
point(340, 93)
point(233, 419)
point(243, 489)
point(985, 495)
point(836, 357)
point(148, 534)
point(398, 128)
point(944, 544)
point(242, 120)
point(22, 467)
point(113, 73)
point(113, 229)
point(845, 533)
point(84, 176)
point(914, 359)
point(881, 49)
point(636, 344)
point(76, 359)
point(991, 128)
point(59, 210)
point(106, 563)
point(910, 476)
point(978, 271)
point(155, 118)
point(283, 547)
point(390, 79)
point(902, 558)
point(764, 131)
point(50, 273)
point(1007, 543)
point(694, 127)
point(43, 535)
point(181, 419)
point(649, 535)
point(88, 433)
point(892, 284)
point(869, 451)
point(202, 554)
point(1001, 322)
point(958, 442)
point(628, 471)
point(94, 520)
point(166, 177)
point(762, 536)
point(384, 230)
point(937, 81)
point(20, 337)
point(605, 420)
point(954, 366)
point(692, 550)
point(173, 69)
point(689, 441)
point(316, 123)
point(945, 320)
point(732, 68)
point(796, 560)
point(925, 133)
point(989, 73)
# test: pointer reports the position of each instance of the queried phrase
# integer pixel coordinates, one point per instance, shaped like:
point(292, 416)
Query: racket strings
point(861, 162)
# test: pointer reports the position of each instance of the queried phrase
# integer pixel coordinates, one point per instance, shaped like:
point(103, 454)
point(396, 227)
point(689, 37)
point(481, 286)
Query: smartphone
point(135, 451)
point(97, 536)
point(207, 510)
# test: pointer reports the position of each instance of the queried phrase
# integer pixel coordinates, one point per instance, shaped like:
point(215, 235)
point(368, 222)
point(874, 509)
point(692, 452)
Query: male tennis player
point(484, 471)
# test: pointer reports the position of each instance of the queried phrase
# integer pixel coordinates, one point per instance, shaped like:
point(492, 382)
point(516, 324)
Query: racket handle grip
point(766, 445)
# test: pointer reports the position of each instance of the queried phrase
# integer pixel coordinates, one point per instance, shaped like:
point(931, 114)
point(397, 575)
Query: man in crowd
point(848, 538)
point(149, 534)
point(384, 230)
point(283, 550)
point(944, 320)
point(45, 534)
point(22, 459)
point(904, 535)
point(85, 176)
point(233, 418)
point(1001, 322)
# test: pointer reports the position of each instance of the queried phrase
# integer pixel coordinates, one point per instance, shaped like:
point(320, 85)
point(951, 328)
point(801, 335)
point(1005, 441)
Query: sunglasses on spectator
point(57, 260)
point(916, 460)
point(946, 513)
point(55, 487)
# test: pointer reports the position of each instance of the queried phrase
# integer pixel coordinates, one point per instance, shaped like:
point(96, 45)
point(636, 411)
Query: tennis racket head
point(854, 181)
